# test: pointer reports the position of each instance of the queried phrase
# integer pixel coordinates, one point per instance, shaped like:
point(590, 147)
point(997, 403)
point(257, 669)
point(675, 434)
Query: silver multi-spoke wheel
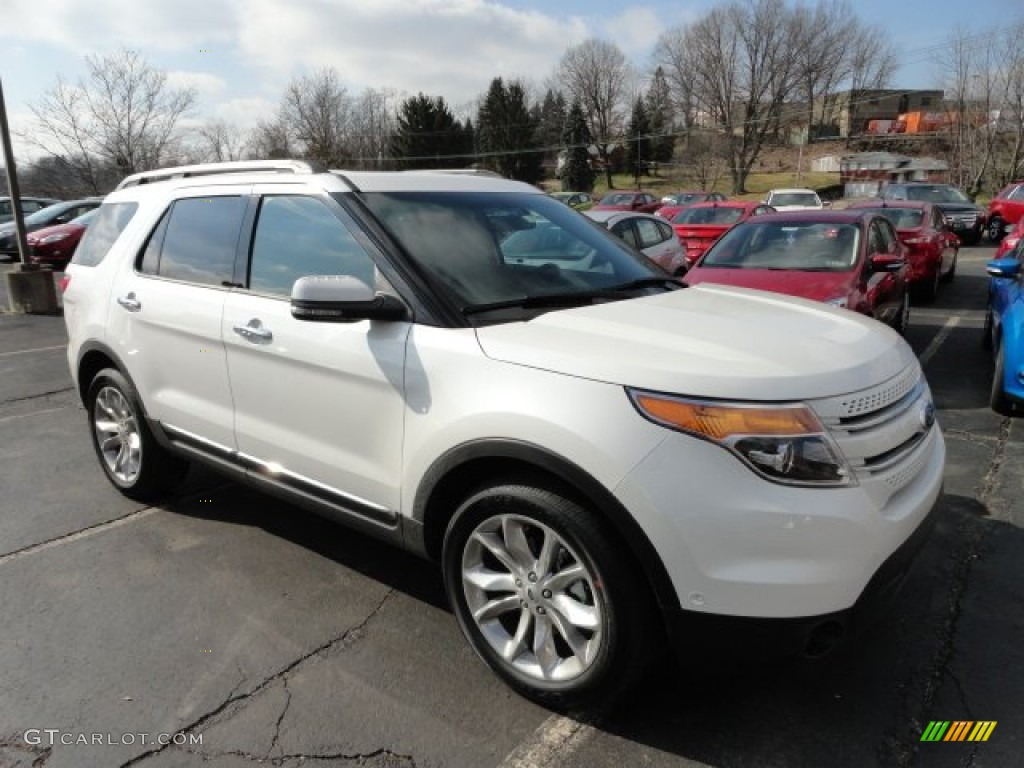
point(117, 434)
point(532, 598)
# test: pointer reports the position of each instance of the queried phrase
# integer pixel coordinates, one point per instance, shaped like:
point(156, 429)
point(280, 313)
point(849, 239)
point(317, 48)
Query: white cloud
point(206, 85)
point(442, 47)
point(635, 31)
point(105, 25)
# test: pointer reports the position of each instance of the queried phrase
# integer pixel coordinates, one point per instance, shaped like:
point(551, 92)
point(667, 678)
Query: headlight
point(53, 238)
point(838, 301)
point(783, 443)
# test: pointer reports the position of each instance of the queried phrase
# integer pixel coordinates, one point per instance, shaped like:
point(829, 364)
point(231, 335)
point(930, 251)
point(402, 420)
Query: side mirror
point(1003, 268)
point(342, 299)
point(826, 203)
point(886, 262)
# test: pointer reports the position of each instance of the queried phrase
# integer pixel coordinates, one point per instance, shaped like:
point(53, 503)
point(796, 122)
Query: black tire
point(928, 289)
point(948, 277)
point(986, 331)
point(147, 470)
point(995, 229)
point(998, 400)
point(616, 600)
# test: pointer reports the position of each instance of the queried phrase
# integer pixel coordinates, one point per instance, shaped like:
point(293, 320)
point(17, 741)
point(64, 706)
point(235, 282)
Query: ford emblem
point(927, 415)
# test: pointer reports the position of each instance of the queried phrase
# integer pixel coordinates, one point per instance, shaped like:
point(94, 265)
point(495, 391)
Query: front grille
point(883, 431)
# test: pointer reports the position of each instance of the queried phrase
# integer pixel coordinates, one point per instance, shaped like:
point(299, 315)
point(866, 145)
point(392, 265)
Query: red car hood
point(819, 286)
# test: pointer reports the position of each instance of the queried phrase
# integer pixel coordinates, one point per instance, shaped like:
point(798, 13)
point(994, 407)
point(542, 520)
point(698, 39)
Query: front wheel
point(130, 456)
point(544, 598)
point(902, 321)
point(998, 400)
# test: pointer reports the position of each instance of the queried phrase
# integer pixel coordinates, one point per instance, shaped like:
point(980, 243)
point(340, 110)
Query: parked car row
point(52, 232)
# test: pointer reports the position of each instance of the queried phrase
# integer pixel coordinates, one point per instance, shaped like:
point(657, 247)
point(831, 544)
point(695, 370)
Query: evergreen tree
point(577, 175)
point(550, 116)
point(429, 136)
point(506, 133)
point(638, 140)
point(659, 113)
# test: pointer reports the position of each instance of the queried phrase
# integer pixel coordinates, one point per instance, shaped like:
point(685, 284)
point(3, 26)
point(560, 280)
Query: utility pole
point(12, 182)
point(29, 289)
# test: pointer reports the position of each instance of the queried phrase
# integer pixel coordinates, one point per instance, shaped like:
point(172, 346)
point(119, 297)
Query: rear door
point(319, 406)
point(166, 314)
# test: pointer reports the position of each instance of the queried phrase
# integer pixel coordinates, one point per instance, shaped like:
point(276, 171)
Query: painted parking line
point(32, 413)
point(554, 741)
point(940, 337)
point(32, 351)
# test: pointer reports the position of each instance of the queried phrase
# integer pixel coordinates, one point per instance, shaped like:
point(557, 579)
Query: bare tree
point(872, 59)
point(823, 57)
point(122, 113)
point(1007, 119)
point(596, 74)
point(271, 140)
point(317, 110)
point(218, 141)
point(742, 61)
point(372, 125)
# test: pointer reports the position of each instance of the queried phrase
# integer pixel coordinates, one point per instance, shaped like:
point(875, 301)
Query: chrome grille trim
point(868, 401)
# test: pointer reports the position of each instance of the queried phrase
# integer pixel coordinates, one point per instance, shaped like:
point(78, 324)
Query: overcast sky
point(240, 54)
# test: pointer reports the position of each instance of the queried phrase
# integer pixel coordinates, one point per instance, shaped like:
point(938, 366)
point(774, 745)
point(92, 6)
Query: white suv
point(594, 452)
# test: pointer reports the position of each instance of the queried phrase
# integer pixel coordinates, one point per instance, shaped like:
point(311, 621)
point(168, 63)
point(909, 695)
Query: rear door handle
point(129, 302)
point(254, 332)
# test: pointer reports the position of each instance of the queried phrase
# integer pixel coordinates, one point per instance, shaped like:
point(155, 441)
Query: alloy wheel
point(117, 434)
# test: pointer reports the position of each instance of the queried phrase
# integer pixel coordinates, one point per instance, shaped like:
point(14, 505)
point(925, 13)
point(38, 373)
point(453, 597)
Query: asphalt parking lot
point(271, 636)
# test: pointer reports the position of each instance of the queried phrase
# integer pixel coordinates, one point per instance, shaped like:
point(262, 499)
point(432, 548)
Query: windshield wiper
point(577, 298)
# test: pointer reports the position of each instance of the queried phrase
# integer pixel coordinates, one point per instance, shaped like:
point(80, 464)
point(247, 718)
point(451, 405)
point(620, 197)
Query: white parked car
point(649, 234)
point(794, 200)
point(593, 452)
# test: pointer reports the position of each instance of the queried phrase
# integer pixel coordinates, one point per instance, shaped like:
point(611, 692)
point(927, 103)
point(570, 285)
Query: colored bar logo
point(958, 730)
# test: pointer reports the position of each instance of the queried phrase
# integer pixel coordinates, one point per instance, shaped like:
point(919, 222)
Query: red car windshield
point(698, 216)
point(785, 245)
point(617, 198)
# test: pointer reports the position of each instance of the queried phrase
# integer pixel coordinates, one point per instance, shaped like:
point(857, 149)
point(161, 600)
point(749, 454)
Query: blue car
point(1004, 331)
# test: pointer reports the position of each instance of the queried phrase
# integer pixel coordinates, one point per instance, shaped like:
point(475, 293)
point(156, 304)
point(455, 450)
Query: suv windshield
point(794, 198)
point(936, 193)
point(786, 245)
point(489, 248)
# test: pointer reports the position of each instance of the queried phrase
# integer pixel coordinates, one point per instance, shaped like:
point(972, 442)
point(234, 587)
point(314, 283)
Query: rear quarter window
point(103, 232)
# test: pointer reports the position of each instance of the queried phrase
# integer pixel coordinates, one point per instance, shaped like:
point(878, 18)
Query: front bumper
point(737, 545)
point(704, 635)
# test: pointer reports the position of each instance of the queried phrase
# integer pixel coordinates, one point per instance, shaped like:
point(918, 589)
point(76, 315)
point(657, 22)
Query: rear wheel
point(543, 596)
point(130, 456)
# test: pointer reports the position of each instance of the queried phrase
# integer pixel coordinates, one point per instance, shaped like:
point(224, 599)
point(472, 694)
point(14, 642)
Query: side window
point(648, 232)
point(888, 236)
point(149, 264)
point(298, 236)
point(875, 242)
point(103, 231)
point(624, 229)
point(1017, 194)
point(202, 234)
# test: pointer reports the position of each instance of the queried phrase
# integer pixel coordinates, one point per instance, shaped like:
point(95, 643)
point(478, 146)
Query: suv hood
point(958, 207)
point(709, 341)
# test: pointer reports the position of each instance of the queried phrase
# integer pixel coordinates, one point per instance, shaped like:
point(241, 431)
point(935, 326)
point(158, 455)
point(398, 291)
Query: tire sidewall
point(606, 673)
point(113, 378)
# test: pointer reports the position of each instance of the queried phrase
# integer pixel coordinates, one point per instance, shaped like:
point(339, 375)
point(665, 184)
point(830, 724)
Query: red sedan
point(932, 247)
point(673, 204)
point(700, 224)
point(637, 201)
point(54, 246)
point(846, 258)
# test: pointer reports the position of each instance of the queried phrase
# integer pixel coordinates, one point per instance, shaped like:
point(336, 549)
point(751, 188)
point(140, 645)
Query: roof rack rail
point(211, 169)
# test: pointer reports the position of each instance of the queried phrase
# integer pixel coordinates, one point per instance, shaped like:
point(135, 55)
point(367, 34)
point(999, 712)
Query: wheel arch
point(93, 357)
point(472, 465)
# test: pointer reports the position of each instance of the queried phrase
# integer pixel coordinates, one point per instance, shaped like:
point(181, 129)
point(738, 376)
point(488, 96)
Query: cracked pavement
point(278, 638)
